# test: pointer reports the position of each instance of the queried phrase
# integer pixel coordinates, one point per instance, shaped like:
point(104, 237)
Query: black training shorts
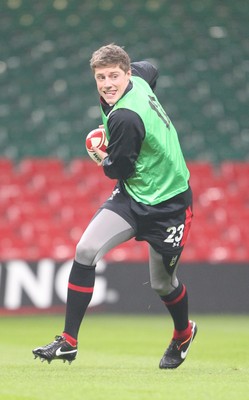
point(164, 226)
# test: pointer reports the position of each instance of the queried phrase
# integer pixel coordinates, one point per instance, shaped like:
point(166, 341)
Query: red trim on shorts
point(80, 288)
point(187, 225)
point(177, 299)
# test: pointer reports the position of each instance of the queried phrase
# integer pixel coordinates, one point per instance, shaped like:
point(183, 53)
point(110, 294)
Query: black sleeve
point(146, 71)
point(126, 136)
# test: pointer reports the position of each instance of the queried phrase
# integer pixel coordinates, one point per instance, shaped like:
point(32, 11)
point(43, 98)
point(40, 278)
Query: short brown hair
point(110, 55)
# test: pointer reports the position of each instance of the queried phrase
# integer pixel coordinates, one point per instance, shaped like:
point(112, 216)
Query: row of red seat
point(46, 204)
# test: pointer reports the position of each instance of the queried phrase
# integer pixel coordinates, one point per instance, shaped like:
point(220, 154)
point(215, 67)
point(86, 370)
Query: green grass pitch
point(118, 359)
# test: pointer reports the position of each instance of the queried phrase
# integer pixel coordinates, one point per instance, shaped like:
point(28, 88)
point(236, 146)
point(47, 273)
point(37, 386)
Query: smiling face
point(111, 82)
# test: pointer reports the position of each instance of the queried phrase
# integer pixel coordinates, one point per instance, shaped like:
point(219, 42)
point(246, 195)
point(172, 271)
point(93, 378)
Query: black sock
point(80, 291)
point(177, 304)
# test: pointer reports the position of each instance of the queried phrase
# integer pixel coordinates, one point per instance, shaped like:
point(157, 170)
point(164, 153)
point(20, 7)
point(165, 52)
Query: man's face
point(111, 82)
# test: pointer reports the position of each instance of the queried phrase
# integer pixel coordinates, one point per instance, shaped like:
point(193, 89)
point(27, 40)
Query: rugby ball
point(96, 138)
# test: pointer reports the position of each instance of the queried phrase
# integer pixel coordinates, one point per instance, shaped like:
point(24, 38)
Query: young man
point(151, 201)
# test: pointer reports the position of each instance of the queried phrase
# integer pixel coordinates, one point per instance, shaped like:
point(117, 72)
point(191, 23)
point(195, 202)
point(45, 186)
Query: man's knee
point(164, 288)
point(85, 253)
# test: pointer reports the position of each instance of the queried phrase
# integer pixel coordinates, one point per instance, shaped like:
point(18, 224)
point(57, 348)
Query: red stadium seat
point(7, 172)
point(232, 170)
point(34, 165)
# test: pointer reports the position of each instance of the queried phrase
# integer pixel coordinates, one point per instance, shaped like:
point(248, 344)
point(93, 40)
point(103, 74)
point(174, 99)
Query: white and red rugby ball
point(96, 138)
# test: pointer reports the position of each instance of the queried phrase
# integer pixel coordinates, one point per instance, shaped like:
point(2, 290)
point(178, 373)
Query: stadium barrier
point(41, 287)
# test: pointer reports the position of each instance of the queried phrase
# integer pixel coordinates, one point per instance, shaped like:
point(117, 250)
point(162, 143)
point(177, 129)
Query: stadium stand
point(45, 204)
point(48, 103)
